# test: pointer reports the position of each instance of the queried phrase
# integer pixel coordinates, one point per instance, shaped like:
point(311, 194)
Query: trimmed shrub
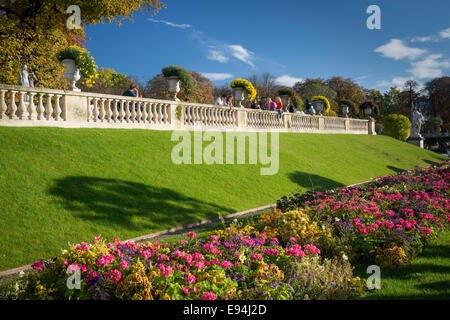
point(397, 126)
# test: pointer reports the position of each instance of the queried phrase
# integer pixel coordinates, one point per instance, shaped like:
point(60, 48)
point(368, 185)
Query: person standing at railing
point(229, 101)
point(132, 91)
point(271, 105)
point(220, 101)
point(309, 109)
point(279, 106)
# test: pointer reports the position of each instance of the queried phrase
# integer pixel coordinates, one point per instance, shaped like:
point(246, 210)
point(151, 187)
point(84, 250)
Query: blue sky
point(291, 39)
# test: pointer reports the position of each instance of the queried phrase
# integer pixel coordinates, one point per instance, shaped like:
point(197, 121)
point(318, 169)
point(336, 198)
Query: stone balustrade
point(24, 106)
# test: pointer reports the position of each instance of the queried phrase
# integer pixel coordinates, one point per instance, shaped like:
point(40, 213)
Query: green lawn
point(427, 277)
point(67, 185)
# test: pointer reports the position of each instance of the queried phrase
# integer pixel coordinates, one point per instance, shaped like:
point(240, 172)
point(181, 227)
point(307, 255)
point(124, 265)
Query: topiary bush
point(397, 126)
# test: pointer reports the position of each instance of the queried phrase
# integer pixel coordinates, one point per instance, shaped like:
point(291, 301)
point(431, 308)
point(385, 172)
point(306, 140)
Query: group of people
point(227, 101)
point(267, 104)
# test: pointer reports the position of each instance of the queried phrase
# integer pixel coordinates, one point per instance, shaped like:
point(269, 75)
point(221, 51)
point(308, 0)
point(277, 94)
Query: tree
point(158, 88)
point(223, 90)
point(33, 31)
point(108, 81)
point(346, 89)
point(317, 89)
point(439, 99)
point(301, 85)
point(389, 102)
point(265, 85)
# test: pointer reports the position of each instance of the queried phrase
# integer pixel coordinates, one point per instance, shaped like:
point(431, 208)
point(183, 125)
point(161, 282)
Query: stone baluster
point(166, 113)
point(158, 112)
point(49, 107)
point(127, 111)
point(151, 113)
point(121, 110)
point(31, 106)
point(95, 110)
point(57, 110)
point(22, 114)
point(3, 106)
point(108, 110)
point(139, 111)
point(134, 105)
point(144, 111)
point(101, 109)
point(40, 107)
point(115, 106)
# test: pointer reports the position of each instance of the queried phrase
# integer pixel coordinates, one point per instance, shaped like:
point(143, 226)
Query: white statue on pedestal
point(417, 120)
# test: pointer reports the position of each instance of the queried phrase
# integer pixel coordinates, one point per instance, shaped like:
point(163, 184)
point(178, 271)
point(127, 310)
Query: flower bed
point(302, 250)
point(388, 221)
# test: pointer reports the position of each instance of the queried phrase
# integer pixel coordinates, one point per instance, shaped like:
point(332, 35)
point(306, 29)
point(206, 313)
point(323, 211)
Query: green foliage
point(182, 74)
point(285, 91)
point(397, 126)
point(34, 31)
point(317, 90)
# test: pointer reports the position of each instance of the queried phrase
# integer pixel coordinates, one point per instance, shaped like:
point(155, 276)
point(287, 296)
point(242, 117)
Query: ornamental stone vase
point(285, 102)
point(238, 94)
point(318, 106)
point(72, 74)
point(345, 111)
point(174, 87)
point(368, 112)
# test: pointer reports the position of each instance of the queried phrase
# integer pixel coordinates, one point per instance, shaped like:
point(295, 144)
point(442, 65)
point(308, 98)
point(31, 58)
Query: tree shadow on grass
point(131, 205)
point(313, 182)
point(397, 170)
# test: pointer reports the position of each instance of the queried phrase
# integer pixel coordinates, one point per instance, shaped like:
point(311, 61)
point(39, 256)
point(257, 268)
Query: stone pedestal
point(417, 141)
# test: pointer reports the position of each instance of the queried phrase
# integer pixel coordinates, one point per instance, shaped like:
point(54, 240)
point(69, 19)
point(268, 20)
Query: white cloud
point(181, 26)
point(242, 54)
point(423, 39)
point(396, 81)
point(287, 80)
point(217, 76)
point(445, 33)
point(217, 56)
point(397, 50)
point(430, 67)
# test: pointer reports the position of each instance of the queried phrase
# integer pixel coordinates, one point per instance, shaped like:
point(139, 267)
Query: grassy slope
point(61, 185)
point(427, 277)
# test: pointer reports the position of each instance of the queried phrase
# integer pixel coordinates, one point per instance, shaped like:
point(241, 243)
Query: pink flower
point(213, 237)
point(185, 291)
point(293, 239)
point(256, 256)
point(209, 296)
point(226, 264)
point(38, 265)
point(123, 264)
point(192, 235)
point(190, 279)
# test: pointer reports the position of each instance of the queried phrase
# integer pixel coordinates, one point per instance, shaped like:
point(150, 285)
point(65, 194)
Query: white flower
point(21, 274)
point(17, 286)
point(64, 251)
point(337, 219)
point(344, 257)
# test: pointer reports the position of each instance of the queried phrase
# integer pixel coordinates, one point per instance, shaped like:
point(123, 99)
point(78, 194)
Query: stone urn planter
point(368, 112)
point(345, 111)
point(174, 87)
point(318, 106)
point(238, 94)
point(72, 73)
point(285, 102)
